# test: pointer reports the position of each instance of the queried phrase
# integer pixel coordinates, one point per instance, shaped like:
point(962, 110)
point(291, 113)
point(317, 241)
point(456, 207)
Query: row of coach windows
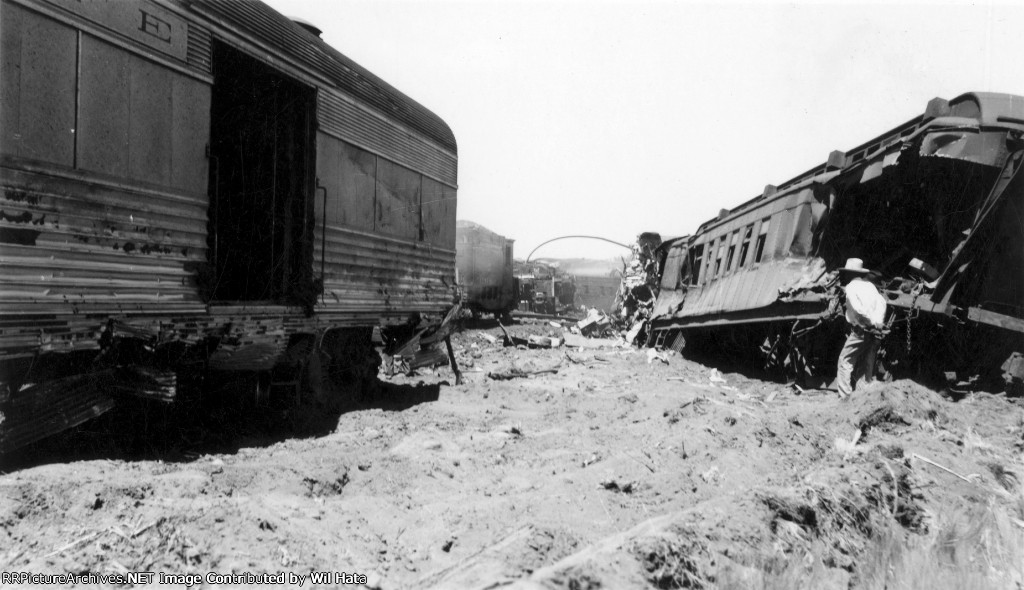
point(729, 252)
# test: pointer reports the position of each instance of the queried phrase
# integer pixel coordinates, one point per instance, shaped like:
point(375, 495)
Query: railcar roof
point(989, 108)
point(278, 31)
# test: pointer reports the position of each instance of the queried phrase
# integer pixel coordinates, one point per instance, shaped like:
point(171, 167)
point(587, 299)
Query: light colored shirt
point(865, 306)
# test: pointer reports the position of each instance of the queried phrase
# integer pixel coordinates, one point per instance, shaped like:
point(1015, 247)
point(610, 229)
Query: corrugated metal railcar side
point(386, 173)
point(103, 170)
point(113, 212)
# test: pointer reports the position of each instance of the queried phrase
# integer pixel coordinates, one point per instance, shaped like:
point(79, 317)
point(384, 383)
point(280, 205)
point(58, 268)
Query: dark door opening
point(261, 148)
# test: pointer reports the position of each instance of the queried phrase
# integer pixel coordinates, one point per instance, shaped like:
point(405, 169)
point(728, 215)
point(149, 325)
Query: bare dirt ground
point(616, 471)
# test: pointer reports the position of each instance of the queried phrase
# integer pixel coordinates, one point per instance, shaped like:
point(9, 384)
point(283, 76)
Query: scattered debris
point(682, 450)
point(634, 333)
point(79, 541)
point(326, 485)
point(596, 324)
point(517, 373)
point(848, 447)
point(543, 342)
point(639, 288)
point(770, 485)
point(972, 478)
point(581, 342)
point(574, 360)
point(616, 485)
point(644, 463)
point(511, 340)
point(712, 475)
point(653, 354)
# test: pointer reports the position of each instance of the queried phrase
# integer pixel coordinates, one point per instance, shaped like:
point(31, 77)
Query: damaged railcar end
point(195, 189)
point(485, 264)
point(935, 205)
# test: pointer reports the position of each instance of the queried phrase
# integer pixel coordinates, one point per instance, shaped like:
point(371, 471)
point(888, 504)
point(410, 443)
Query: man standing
point(865, 312)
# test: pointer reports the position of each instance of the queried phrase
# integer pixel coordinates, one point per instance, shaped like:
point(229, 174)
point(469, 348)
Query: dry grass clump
point(834, 540)
point(977, 548)
point(845, 534)
point(672, 563)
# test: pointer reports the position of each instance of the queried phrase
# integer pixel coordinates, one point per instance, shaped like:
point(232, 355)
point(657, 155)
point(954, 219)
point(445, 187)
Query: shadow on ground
point(221, 422)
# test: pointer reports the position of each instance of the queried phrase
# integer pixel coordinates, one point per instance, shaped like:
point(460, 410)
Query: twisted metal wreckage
point(936, 205)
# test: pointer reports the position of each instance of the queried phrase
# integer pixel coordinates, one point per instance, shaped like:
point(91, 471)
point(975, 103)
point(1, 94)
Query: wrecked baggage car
point(193, 187)
point(935, 205)
point(484, 262)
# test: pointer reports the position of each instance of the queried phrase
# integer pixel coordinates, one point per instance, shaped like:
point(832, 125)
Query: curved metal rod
point(587, 237)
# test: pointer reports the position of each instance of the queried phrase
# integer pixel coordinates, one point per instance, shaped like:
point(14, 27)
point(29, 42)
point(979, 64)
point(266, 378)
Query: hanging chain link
point(910, 316)
point(909, 343)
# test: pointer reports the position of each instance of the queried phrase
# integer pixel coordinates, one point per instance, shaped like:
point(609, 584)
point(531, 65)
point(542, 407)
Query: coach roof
point(276, 30)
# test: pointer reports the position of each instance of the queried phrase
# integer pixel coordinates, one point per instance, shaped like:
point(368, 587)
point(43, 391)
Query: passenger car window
point(748, 233)
point(762, 236)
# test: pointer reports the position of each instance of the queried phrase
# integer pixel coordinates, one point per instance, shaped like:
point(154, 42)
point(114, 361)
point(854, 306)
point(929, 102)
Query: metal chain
point(910, 316)
point(909, 344)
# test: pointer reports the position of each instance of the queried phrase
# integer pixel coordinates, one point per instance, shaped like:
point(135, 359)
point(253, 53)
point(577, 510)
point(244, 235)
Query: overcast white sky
point(613, 118)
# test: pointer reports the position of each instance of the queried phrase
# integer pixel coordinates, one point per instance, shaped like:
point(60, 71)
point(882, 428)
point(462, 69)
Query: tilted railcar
point(935, 205)
point(484, 262)
point(192, 187)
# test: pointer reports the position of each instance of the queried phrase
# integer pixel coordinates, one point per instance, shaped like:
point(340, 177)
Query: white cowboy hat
point(855, 265)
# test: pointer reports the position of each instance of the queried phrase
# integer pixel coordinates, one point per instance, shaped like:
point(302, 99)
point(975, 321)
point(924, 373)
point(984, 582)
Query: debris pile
point(596, 324)
point(639, 288)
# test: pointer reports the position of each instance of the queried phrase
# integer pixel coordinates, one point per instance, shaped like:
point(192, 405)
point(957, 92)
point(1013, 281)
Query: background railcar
point(935, 205)
point(201, 186)
point(484, 262)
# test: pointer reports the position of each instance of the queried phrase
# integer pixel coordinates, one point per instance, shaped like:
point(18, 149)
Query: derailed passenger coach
point(935, 205)
point(203, 187)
